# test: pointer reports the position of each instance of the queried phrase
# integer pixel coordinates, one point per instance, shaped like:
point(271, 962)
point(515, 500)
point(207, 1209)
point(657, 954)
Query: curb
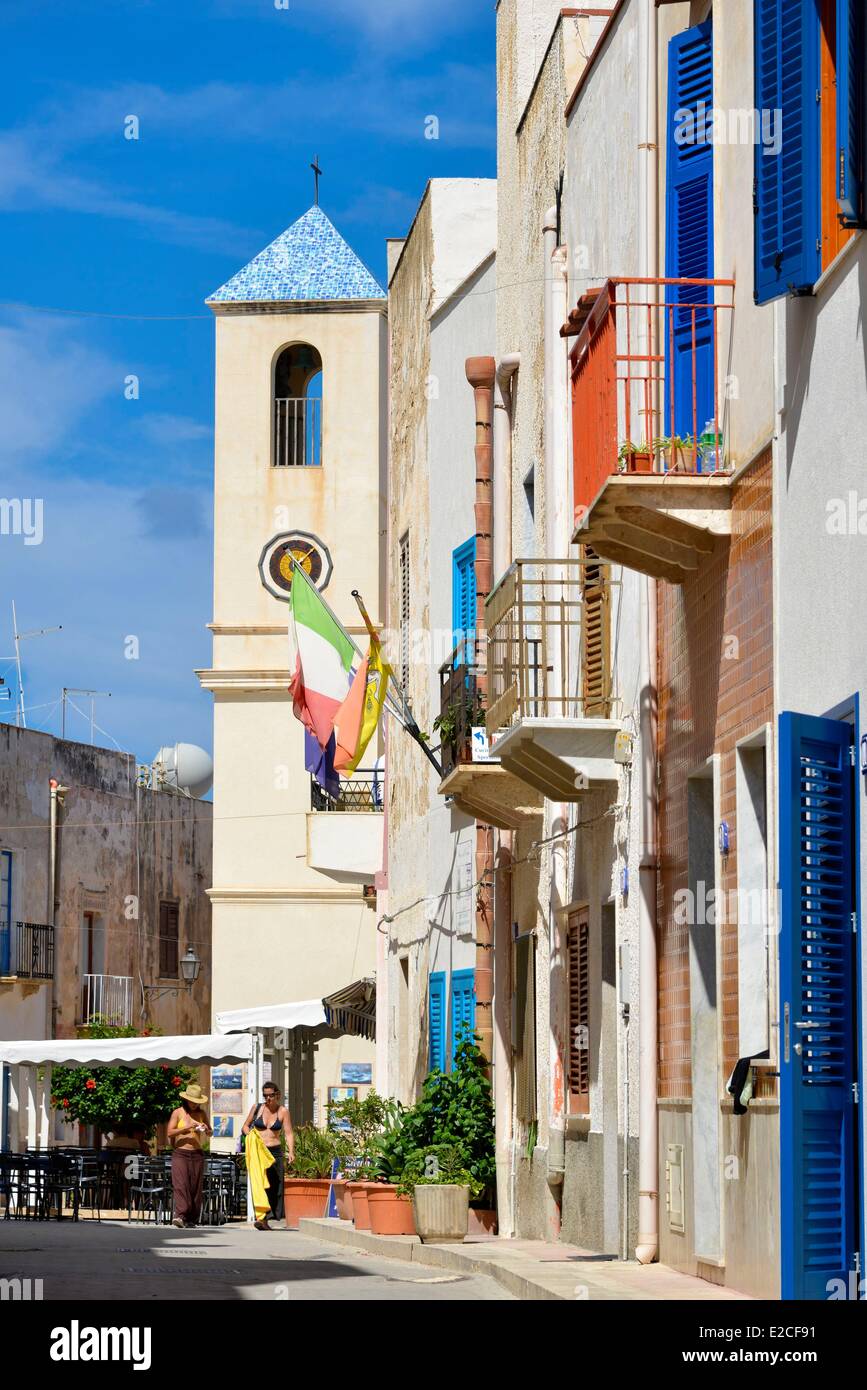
point(411, 1250)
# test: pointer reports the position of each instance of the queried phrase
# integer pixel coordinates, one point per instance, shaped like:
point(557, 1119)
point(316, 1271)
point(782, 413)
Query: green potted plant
point(357, 1123)
point(678, 453)
point(635, 458)
point(389, 1207)
point(307, 1185)
point(441, 1188)
point(456, 1108)
point(462, 714)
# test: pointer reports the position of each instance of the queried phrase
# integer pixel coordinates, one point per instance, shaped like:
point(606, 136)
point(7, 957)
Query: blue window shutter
point(437, 1012)
point(463, 1005)
point(464, 596)
point(818, 1200)
point(850, 110)
point(689, 230)
point(788, 211)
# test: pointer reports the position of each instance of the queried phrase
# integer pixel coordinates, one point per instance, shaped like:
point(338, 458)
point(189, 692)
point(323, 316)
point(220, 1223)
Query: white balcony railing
point(109, 997)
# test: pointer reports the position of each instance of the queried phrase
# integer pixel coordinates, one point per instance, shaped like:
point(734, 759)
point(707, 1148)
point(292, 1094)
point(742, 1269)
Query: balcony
point(297, 432)
point(652, 489)
point(26, 951)
point(345, 833)
point(474, 780)
point(543, 726)
point(108, 997)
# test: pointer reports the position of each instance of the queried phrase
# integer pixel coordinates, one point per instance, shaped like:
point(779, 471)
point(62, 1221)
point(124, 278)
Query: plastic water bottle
point(708, 450)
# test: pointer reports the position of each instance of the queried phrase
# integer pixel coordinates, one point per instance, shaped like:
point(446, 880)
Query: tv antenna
point(79, 690)
point(20, 715)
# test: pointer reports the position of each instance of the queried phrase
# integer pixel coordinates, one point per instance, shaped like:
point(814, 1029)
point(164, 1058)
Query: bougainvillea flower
point(177, 1081)
point(90, 1085)
point(66, 1102)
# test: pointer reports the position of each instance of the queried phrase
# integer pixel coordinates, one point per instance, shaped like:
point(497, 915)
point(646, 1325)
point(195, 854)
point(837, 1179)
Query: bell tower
point(299, 468)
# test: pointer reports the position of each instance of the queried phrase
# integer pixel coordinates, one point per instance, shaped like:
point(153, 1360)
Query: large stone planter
point(441, 1211)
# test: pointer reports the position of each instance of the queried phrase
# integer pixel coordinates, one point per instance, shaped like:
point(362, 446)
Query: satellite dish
point(186, 768)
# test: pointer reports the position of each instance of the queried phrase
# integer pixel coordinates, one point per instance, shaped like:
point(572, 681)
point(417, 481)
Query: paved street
point(113, 1261)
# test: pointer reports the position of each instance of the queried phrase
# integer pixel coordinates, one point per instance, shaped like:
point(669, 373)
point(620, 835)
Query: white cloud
point(49, 381)
point(167, 429)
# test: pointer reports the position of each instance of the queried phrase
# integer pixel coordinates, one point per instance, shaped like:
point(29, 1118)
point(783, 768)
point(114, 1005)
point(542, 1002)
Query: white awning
point(130, 1052)
point(306, 1013)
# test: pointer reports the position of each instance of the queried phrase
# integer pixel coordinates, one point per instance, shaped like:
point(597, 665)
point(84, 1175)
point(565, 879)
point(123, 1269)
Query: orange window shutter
point(578, 952)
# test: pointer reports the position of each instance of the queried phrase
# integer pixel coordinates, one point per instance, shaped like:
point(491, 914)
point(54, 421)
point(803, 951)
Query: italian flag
point(323, 661)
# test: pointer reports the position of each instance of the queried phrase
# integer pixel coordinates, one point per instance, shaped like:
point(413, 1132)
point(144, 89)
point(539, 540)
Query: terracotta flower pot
point(390, 1214)
point(640, 462)
point(343, 1199)
point(360, 1213)
point(304, 1197)
point(481, 1221)
point(441, 1211)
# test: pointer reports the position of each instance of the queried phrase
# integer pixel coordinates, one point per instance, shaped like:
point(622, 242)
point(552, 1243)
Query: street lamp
point(190, 967)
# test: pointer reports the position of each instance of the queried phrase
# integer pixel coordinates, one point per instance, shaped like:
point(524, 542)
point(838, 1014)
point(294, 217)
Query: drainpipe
point(647, 1248)
point(506, 369)
point(556, 543)
point(481, 372)
point(55, 800)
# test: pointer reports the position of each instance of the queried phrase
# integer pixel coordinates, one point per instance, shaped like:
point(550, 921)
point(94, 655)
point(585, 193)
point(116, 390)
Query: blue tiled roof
point(310, 260)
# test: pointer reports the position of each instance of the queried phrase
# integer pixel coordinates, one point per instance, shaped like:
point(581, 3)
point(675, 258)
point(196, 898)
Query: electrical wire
point(534, 849)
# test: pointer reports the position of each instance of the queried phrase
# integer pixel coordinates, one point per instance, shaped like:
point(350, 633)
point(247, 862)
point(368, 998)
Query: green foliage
point(365, 1118)
point(456, 1109)
point(117, 1097)
point(465, 713)
point(315, 1150)
point(437, 1165)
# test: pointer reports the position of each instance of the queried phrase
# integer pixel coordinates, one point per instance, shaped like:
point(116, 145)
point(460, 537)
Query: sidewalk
point(531, 1269)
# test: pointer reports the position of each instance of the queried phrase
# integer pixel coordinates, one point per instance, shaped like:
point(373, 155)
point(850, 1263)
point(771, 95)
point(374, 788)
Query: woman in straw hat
point(188, 1126)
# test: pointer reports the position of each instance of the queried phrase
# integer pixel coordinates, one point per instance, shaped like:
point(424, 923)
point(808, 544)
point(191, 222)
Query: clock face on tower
point(308, 551)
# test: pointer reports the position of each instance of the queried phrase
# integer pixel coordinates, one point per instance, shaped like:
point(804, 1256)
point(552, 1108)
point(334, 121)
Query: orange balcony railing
point(646, 373)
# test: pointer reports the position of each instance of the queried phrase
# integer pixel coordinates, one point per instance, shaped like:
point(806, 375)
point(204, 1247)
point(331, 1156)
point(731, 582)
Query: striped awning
point(353, 1009)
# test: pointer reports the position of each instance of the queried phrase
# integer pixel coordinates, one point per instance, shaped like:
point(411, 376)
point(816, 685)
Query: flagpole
point(410, 725)
point(390, 705)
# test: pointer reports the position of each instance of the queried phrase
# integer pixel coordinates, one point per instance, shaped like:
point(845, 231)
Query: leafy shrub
point(315, 1150)
point(117, 1097)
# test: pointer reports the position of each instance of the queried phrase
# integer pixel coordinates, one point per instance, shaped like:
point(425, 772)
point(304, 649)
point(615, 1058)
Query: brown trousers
point(188, 1171)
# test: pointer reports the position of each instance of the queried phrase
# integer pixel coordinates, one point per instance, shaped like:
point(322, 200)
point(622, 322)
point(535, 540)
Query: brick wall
point(715, 677)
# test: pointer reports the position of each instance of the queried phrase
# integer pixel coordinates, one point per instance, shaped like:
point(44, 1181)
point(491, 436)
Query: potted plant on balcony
point(635, 458)
point(307, 1185)
point(456, 720)
point(678, 454)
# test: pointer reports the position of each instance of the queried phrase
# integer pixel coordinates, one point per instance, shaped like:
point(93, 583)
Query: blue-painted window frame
point(463, 1003)
point(787, 79)
point(464, 599)
point(437, 1009)
point(689, 331)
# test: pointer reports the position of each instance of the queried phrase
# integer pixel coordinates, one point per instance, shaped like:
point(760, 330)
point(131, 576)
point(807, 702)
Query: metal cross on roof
point(316, 174)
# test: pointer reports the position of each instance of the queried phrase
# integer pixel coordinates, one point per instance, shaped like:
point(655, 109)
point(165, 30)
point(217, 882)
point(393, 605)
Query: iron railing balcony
point(652, 488)
point(361, 792)
point(27, 951)
point(543, 723)
point(297, 432)
point(472, 778)
point(108, 997)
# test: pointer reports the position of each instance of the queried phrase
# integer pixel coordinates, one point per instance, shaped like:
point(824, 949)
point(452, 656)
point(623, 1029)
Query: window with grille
point(578, 953)
point(169, 940)
point(404, 612)
point(596, 636)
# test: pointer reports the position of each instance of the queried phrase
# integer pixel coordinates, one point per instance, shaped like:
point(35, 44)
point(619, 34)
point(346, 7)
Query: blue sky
point(109, 247)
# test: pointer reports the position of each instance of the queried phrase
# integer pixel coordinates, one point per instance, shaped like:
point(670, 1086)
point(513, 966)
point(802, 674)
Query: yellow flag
point(378, 672)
